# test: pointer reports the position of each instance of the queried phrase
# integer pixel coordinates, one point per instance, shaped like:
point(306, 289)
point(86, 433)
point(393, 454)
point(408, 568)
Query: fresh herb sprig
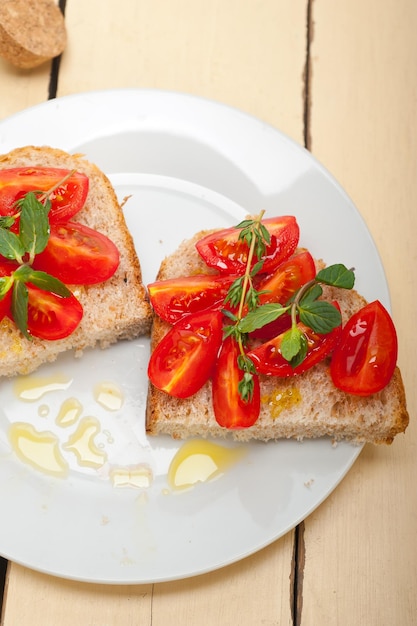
point(319, 315)
point(243, 293)
point(32, 212)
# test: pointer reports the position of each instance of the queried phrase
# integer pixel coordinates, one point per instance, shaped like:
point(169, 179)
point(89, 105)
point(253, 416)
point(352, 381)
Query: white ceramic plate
point(187, 164)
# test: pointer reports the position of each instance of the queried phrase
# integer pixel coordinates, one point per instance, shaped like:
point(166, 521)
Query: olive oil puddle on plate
point(69, 412)
point(82, 443)
point(109, 396)
point(38, 449)
point(42, 449)
point(139, 476)
point(31, 388)
point(196, 461)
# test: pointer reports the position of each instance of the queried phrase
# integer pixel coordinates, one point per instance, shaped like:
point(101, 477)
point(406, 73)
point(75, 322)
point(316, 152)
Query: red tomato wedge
point(50, 316)
point(66, 200)
point(5, 304)
point(281, 286)
point(287, 278)
point(268, 359)
point(229, 408)
point(172, 299)
point(224, 251)
point(364, 361)
point(78, 255)
point(183, 360)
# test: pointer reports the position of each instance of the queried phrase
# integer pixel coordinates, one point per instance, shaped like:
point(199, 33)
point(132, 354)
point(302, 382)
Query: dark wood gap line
point(297, 575)
point(308, 77)
point(3, 570)
point(56, 62)
point(298, 560)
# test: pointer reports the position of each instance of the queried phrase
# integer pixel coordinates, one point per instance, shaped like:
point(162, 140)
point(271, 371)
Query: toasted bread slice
point(301, 407)
point(113, 310)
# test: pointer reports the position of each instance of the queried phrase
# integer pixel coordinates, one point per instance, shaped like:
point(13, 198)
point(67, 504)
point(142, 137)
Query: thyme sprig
point(242, 293)
point(305, 306)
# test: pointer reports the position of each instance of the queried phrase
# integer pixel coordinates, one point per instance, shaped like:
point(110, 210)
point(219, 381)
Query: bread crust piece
point(114, 310)
point(300, 407)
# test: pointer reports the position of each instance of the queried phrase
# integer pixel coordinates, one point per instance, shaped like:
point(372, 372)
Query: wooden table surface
point(340, 78)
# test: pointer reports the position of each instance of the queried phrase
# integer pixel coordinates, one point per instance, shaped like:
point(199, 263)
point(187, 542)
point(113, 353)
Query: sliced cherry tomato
point(224, 251)
point(5, 304)
point(50, 316)
point(364, 361)
point(183, 360)
point(172, 299)
point(229, 408)
point(78, 255)
point(268, 358)
point(287, 278)
point(281, 286)
point(66, 200)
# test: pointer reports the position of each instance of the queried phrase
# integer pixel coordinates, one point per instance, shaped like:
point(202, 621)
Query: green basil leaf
point(22, 273)
point(6, 283)
point(262, 315)
point(301, 355)
point(34, 224)
point(42, 280)
point(337, 276)
point(10, 245)
point(291, 343)
point(20, 299)
point(6, 221)
point(47, 204)
point(49, 283)
point(320, 316)
point(312, 294)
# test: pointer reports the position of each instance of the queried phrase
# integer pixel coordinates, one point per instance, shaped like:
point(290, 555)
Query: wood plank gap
point(152, 602)
point(53, 79)
point(298, 560)
point(297, 575)
point(307, 76)
point(3, 570)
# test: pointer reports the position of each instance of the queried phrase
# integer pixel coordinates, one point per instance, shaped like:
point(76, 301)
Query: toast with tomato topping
point(299, 407)
point(113, 310)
